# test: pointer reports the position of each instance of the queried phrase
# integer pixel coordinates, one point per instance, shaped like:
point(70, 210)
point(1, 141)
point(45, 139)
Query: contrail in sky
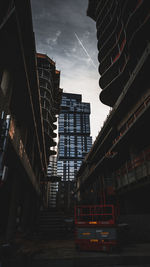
point(85, 50)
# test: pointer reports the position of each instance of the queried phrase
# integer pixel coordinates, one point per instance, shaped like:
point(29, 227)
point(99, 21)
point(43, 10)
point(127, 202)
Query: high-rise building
point(123, 36)
point(50, 96)
point(74, 135)
point(114, 170)
point(22, 150)
point(74, 143)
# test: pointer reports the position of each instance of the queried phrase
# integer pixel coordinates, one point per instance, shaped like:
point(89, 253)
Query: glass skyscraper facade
point(74, 135)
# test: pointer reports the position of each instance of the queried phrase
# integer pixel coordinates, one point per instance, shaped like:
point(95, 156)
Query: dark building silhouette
point(50, 96)
point(23, 141)
point(122, 33)
point(118, 163)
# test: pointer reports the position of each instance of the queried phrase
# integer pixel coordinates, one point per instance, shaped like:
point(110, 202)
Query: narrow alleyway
point(54, 246)
point(31, 253)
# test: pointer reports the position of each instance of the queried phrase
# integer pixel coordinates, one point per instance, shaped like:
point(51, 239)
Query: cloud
point(53, 40)
point(55, 22)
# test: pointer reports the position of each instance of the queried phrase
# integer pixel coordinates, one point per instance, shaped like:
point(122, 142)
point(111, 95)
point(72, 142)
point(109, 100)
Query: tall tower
point(74, 135)
point(124, 56)
point(50, 96)
point(74, 143)
point(123, 43)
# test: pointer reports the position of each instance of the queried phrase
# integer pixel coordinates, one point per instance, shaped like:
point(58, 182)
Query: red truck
point(95, 228)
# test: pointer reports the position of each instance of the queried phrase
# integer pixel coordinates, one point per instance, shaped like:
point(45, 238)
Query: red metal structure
point(96, 227)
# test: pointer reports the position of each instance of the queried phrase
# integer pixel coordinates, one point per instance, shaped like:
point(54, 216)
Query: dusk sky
point(68, 36)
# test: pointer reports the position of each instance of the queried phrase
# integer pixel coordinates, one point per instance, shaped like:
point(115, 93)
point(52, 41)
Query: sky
point(65, 33)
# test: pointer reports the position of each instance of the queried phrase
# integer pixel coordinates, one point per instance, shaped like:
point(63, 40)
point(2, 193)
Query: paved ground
point(63, 253)
point(54, 253)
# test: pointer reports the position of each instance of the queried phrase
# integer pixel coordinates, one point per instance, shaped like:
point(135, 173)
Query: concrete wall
point(138, 229)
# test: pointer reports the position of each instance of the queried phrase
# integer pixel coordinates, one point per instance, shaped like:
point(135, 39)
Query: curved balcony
point(134, 9)
point(47, 114)
point(109, 29)
point(48, 141)
point(49, 138)
point(54, 126)
point(54, 119)
point(54, 135)
point(51, 107)
point(45, 102)
point(52, 152)
point(117, 60)
point(139, 37)
point(52, 143)
point(45, 71)
point(114, 55)
point(105, 65)
point(102, 12)
point(132, 63)
point(45, 74)
point(121, 37)
point(105, 19)
point(129, 8)
point(46, 83)
point(134, 24)
point(111, 39)
point(110, 94)
point(134, 21)
point(111, 42)
point(48, 127)
point(45, 94)
point(50, 121)
point(99, 7)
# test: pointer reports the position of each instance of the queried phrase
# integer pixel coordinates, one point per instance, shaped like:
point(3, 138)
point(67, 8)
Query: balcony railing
point(133, 118)
point(134, 170)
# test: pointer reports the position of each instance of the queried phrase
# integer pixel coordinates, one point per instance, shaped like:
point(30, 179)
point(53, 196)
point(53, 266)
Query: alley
point(74, 171)
point(43, 253)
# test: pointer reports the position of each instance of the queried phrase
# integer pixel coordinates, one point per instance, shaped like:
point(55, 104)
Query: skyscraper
point(50, 96)
point(22, 155)
point(123, 36)
point(74, 143)
point(121, 150)
point(74, 135)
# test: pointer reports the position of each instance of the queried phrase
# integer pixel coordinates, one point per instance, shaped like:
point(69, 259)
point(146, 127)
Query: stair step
point(51, 228)
point(51, 224)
